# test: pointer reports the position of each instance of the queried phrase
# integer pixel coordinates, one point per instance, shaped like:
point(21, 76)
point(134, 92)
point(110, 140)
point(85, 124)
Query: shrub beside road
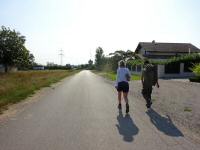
point(196, 70)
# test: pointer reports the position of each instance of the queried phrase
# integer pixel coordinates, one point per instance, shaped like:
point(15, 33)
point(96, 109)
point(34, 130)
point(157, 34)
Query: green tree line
point(110, 62)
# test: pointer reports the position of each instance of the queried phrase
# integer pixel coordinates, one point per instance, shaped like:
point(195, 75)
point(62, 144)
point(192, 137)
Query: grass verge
point(187, 109)
point(112, 75)
point(17, 86)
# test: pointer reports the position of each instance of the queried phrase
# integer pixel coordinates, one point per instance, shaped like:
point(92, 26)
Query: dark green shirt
point(148, 74)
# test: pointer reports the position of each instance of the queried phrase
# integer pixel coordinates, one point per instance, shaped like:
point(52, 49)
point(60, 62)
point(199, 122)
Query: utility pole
point(61, 56)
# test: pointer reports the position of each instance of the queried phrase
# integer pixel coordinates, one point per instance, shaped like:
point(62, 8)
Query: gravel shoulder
point(176, 98)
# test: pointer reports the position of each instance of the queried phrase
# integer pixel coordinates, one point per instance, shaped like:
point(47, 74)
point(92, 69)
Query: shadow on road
point(126, 127)
point(164, 124)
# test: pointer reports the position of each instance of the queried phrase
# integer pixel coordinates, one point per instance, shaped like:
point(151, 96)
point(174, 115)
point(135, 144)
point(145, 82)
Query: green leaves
point(12, 48)
point(184, 58)
point(123, 55)
point(196, 69)
point(99, 58)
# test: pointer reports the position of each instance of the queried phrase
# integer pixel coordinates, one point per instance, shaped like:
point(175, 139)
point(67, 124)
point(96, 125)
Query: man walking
point(149, 78)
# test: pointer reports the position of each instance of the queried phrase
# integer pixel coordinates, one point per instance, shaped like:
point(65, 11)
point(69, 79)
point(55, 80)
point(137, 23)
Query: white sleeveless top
point(121, 75)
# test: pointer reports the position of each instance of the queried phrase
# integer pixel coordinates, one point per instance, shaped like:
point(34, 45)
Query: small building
point(39, 67)
point(163, 51)
point(10, 68)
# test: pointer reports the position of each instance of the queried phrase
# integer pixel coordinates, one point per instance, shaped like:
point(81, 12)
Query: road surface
point(80, 113)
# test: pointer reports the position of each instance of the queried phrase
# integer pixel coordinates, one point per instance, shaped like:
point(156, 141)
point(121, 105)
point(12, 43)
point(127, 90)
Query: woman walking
point(122, 85)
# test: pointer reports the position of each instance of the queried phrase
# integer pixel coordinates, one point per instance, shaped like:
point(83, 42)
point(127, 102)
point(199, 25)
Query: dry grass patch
point(15, 87)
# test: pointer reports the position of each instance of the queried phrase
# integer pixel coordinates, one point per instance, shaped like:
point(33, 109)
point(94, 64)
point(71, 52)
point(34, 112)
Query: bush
point(194, 79)
point(194, 58)
point(196, 70)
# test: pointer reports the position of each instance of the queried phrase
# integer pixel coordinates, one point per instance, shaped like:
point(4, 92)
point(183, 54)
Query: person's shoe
point(127, 108)
point(149, 105)
point(120, 106)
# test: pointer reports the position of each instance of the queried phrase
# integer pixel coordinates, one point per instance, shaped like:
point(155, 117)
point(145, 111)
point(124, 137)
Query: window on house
point(172, 68)
point(188, 66)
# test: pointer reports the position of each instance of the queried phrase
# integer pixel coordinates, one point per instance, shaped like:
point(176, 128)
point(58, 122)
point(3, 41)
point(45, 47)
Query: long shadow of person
point(164, 124)
point(126, 127)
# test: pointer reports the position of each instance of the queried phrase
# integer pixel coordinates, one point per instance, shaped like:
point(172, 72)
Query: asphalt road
point(80, 113)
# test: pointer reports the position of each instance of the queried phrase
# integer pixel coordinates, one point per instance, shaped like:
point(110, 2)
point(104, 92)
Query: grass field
point(112, 76)
point(15, 87)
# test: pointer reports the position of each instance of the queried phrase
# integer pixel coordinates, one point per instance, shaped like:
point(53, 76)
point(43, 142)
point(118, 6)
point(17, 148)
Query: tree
point(90, 64)
point(99, 58)
point(27, 61)
point(12, 49)
point(68, 66)
point(120, 55)
point(123, 55)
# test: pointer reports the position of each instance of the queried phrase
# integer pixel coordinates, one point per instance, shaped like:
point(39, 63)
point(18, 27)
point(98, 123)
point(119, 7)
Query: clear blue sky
point(80, 26)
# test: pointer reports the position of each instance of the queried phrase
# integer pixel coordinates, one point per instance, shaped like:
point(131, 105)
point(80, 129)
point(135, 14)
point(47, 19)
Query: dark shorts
point(123, 87)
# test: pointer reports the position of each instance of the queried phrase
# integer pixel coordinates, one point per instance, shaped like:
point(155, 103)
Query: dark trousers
point(146, 92)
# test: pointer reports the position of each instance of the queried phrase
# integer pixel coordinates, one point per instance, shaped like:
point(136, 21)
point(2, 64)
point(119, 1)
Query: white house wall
point(161, 71)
